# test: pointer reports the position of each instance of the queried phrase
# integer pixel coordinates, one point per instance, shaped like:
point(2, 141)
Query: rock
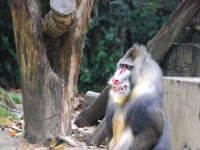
point(90, 96)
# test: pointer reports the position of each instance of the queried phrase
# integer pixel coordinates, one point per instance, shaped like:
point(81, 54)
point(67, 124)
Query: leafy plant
point(3, 112)
point(16, 98)
point(14, 117)
point(9, 71)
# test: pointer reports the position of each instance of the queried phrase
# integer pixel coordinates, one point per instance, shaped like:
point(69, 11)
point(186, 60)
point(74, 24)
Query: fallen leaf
point(52, 143)
point(5, 122)
point(59, 147)
point(23, 145)
point(40, 144)
point(77, 104)
point(31, 147)
point(12, 133)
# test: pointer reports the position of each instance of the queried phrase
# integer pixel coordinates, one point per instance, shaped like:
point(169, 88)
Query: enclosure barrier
point(183, 104)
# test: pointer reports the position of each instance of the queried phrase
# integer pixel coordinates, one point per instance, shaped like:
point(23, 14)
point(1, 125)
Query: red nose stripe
point(122, 71)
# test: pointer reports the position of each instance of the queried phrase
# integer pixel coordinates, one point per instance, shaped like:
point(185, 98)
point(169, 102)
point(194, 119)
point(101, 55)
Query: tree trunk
point(49, 88)
point(95, 111)
point(163, 40)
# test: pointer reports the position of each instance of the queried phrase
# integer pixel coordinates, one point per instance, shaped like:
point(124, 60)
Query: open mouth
point(119, 88)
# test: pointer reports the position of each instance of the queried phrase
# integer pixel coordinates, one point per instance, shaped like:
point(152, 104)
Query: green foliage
point(9, 71)
point(149, 16)
point(190, 34)
point(116, 24)
point(3, 112)
point(14, 117)
point(15, 98)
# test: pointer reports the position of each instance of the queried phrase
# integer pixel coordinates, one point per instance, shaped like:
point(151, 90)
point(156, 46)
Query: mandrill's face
point(121, 87)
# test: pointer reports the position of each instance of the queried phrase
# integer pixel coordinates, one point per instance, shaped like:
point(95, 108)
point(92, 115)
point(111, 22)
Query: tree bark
point(62, 18)
point(99, 135)
point(95, 111)
point(48, 91)
point(163, 40)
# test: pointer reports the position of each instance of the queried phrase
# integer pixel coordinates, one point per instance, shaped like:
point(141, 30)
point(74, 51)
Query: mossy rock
point(5, 100)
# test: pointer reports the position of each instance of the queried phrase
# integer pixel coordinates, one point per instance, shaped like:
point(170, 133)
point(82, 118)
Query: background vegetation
point(9, 71)
point(115, 25)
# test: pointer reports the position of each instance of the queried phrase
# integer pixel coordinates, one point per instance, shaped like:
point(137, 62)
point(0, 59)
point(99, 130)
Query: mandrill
point(136, 116)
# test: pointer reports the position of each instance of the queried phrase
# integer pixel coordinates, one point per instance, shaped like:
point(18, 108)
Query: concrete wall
point(183, 104)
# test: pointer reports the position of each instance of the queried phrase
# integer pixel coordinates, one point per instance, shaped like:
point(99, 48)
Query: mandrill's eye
point(129, 67)
point(122, 65)
point(126, 66)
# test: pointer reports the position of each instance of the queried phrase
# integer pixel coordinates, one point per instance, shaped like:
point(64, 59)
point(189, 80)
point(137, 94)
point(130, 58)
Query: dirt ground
point(9, 143)
point(12, 143)
point(16, 143)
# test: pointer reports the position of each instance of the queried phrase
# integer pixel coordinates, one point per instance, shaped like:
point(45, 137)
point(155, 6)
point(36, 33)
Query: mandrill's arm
point(148, 130)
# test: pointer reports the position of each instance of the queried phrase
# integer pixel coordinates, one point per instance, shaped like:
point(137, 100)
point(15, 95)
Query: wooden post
point(182, 60)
